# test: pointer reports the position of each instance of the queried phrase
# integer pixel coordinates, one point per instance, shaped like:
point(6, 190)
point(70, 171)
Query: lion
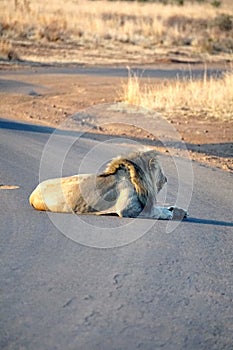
point(128, 188)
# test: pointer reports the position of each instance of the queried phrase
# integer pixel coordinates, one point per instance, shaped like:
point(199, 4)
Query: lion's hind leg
point(56, 195)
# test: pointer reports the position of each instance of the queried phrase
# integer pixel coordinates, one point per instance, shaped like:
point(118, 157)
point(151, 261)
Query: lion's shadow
point(192, 220)
point(208, 222)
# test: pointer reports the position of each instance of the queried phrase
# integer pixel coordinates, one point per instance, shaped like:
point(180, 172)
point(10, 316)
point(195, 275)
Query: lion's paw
point(161, 213)
point(178, 213)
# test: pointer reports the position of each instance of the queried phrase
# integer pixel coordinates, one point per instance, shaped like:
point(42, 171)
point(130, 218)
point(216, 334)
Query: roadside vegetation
point(141, 32)
point(205, 98)
point(144, 31)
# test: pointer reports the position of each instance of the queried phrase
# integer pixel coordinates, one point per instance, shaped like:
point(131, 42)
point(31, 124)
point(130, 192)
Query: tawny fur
point(128, 187)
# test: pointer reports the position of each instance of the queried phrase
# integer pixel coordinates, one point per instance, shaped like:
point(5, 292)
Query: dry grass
point(140, 27)
point(7, 52)
point(205, 98)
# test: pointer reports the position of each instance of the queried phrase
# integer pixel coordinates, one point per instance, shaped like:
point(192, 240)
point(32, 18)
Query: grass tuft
point(207, 98)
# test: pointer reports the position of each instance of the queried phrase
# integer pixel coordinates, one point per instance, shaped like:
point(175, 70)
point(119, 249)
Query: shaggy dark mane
point(137, 164)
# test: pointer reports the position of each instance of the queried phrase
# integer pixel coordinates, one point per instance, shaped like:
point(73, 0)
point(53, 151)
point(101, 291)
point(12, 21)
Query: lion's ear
point(152, 163)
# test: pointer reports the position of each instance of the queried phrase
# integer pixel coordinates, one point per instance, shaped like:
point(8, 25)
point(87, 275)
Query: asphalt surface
point(163, 72)
point(166, 290)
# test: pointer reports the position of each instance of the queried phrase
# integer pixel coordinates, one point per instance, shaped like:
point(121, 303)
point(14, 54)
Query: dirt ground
point(50, 99)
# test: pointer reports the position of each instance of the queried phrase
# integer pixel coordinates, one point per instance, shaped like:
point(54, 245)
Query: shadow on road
point(212, 149)
point(13, 125)
point(219, 149)
point(208, 222)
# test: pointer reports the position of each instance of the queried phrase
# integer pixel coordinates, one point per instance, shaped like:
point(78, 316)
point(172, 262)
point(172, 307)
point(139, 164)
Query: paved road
point(163, 291)
point(163, 71)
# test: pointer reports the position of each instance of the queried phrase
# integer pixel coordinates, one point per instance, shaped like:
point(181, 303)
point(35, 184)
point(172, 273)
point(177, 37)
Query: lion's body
point(128, 187)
